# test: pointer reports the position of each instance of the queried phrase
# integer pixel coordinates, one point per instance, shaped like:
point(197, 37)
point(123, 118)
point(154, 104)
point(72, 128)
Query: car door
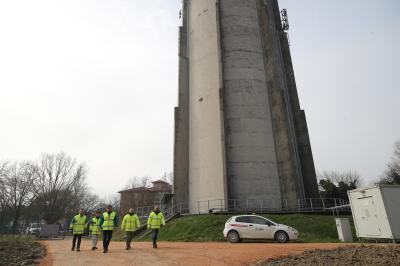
point(243, 226)
point(261, 228)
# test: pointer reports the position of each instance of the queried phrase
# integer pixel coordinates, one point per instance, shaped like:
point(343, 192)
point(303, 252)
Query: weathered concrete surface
point(250, 147)
point(172, 253)
point(240, 132)
point(207, 178)
point(181, 141)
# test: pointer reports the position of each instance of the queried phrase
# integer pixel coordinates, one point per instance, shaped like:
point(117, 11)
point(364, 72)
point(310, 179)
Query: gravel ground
point(173, 253)
point(19, 252)
point(354, 255)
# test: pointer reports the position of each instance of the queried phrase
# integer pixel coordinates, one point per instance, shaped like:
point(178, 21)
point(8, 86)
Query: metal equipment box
point(376, 211)
point(344, 229)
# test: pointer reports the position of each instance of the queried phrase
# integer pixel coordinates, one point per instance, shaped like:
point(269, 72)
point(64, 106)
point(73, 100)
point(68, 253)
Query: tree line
point(335, 184)
point(49, 189)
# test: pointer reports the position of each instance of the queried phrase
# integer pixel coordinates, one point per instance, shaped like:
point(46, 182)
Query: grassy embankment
point(312, 228)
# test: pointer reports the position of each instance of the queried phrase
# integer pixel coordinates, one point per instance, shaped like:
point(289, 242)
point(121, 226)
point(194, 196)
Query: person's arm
point(101, 221)
point(149, 220)
point(137, 222)
point(123, 223)
point(162, 219)
point(116, 220)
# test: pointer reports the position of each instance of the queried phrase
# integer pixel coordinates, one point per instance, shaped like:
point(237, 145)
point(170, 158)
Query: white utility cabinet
point(376, 211)
point(344, 229)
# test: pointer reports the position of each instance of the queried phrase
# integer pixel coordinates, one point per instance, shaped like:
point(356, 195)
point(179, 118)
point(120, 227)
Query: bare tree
point(4, 195)
point(145, 181)
point(352, 178)
point(169, 178)
point(132, 183)
point(90, 202)
point(18, 185)
point(57, 175)
point(335, 184)
point(392, 172)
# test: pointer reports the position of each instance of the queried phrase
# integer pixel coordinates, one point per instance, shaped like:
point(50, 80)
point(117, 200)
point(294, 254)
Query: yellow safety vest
point(78, 224)
point(130, 223)
point(155, 220)
point(108, 223)
point(95, 226)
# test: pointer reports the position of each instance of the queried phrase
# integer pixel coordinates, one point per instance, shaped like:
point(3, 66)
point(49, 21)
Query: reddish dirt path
point(172, 253)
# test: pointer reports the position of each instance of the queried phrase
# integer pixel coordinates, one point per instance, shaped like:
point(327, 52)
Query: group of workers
point(105, 223)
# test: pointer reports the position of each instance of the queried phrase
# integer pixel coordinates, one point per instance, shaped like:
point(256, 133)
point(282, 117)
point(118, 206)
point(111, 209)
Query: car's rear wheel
point(281, 237)
point(233, 237)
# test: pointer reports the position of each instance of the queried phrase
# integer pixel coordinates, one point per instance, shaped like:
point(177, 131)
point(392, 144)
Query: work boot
point(78, 249)
point(93, 248)
point(72, 249)
point(154, 245)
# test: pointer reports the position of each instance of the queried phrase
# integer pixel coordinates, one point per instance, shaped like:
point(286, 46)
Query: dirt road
point(172, 253)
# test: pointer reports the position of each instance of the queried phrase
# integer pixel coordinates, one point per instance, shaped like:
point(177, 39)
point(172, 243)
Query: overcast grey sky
point(98, 80)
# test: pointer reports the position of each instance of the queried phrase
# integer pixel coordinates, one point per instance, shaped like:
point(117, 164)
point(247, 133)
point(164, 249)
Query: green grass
point(312, 228)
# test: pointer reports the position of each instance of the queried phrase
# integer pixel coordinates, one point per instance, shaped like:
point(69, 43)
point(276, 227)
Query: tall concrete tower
point(239, 130)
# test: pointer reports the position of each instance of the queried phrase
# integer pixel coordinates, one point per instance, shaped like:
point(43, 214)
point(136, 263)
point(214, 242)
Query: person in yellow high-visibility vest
point(95, 229)
point(130, 224)
point(155, 221)
point(78, 225)
point(108, 221)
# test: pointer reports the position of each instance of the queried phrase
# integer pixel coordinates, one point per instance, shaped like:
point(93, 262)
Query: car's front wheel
point(233, 237)
point(281, 237)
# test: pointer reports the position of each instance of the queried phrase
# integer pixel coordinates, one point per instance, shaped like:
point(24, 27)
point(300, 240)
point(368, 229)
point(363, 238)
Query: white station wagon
point(257, 227)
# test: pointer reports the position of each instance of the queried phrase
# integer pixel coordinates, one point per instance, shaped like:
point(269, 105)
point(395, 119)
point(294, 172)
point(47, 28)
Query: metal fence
point(248, 205)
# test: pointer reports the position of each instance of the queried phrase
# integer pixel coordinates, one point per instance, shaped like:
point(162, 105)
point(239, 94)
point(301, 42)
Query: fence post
point(208, 205)
point(298, 204)
point(286, 206)
point(221, 204)
point(323, 204)
point(273, 203)
point(198, 206)
point(261, 207)
point(234, 205)
point(335, 201)
point(312, 209)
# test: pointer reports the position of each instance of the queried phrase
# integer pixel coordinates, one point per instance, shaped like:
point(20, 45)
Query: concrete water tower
point(239, 130)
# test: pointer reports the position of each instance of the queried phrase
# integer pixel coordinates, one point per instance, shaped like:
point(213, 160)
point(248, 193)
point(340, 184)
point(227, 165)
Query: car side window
point(259, 220)
point(243, 219)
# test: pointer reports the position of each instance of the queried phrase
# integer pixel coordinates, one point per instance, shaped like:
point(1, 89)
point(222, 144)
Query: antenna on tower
point(285, 23)
point(285, 20)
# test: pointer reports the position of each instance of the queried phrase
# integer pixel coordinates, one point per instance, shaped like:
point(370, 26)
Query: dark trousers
point(129, 236)
point(79, 237)
point(154, 236)
point(107, 234)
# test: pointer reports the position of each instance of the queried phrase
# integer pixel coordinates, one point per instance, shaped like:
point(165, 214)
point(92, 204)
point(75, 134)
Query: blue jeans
point(154, 236)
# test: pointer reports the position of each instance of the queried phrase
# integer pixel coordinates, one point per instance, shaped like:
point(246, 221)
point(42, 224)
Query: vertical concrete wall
point(181, 145)
point(289, 171)
point(305, 157)
point(239, 130)
point(250, 148)
point(207, 178)
point(290, 119)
